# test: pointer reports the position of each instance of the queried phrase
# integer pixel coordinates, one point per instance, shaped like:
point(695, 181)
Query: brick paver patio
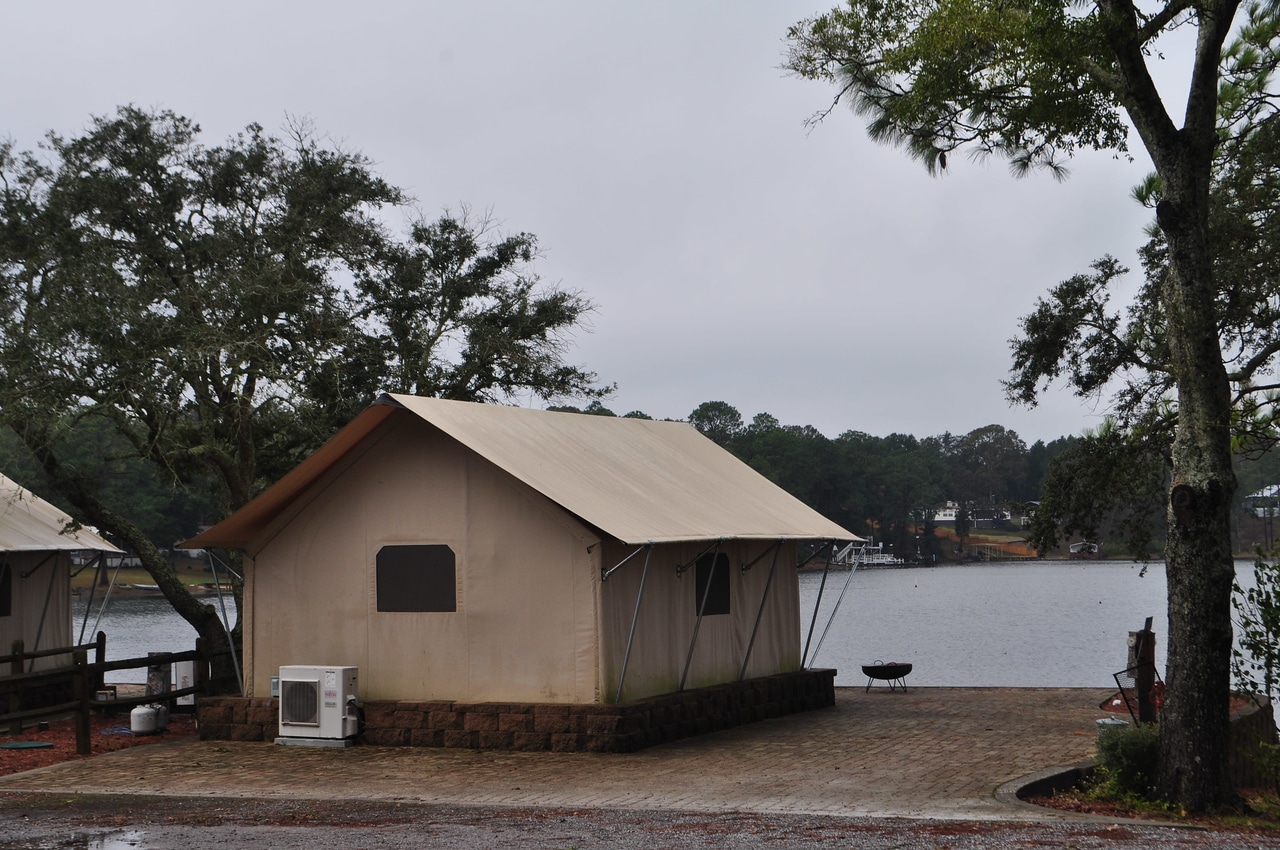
point(929, 752)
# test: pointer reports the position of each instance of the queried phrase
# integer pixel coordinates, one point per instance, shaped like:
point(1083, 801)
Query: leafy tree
point(455, 311)
point(1039, 456)
point(595, 408)
point(1257, 660)
point(1106, 484)
point(166, 513)
point(1034, 82)
point(220, 310)
point(912, 491)
point(988, 464)
point(799, 459)
point(717, 420)
point(964, 522)
point(763, 423)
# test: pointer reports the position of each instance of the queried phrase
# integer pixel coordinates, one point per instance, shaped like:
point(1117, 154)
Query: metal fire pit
point(895, 673)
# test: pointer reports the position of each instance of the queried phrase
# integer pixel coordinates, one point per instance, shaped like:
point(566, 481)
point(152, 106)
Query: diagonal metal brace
point(747, 566)
point(681, 569)
point(604, 574)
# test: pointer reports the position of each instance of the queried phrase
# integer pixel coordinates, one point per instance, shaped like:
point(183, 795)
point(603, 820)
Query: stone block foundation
point(621, 727)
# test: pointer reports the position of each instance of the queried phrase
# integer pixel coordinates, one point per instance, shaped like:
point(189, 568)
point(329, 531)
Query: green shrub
point(1130, 758)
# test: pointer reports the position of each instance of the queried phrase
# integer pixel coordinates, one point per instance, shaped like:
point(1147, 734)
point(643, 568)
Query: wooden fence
point(81, 680)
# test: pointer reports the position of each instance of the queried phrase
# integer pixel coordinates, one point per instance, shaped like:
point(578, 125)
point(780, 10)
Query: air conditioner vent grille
point(318, 702)
point(300, 703)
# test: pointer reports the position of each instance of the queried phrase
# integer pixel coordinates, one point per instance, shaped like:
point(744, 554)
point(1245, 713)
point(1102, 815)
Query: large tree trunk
point(204, 618)
point(1200, 567)
point(1194, 726)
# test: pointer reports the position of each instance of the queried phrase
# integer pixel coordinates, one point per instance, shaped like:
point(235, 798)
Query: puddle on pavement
point(131, 839)
point(114, 841)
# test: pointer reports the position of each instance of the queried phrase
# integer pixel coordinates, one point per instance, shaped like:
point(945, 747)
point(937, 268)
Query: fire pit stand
point(895, 673)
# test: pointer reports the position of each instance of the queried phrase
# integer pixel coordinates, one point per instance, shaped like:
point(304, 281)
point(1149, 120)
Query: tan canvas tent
point(36, 544)
point(470, 552)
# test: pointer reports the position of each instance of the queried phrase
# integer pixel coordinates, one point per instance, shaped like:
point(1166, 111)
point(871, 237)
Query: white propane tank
point(142, 720)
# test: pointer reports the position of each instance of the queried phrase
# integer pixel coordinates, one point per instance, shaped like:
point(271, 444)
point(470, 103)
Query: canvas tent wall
point(529, 509)
point(758, 586)
point(36, 544)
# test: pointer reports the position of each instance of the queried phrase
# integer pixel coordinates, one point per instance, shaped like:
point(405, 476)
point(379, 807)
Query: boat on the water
point(1084, 550)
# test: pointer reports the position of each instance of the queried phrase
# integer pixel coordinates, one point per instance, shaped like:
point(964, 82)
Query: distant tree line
point(885, 487)
point(1090, 487)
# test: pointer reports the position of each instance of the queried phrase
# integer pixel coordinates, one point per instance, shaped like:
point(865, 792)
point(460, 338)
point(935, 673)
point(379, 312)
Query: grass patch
point(189, 572)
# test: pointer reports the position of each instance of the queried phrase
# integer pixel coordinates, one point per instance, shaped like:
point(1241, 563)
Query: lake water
point(136, 625)
point(1012, 624)
point(1016, 624)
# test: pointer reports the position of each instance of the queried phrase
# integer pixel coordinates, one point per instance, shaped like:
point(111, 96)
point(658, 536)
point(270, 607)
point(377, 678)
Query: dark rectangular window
point(6, 590)
point(417, 578)
point(713, 583)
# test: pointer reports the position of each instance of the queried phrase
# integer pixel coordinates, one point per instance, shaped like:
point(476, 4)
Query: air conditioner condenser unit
point(318, 705)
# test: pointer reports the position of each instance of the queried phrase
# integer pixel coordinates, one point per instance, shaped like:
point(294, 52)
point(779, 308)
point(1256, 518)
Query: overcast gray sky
point(660, 156)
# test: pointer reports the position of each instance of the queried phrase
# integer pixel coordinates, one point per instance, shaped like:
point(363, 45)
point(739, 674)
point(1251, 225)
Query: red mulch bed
point(107, 734)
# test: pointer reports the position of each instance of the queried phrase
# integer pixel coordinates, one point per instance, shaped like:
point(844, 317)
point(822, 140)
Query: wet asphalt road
point(103, 822)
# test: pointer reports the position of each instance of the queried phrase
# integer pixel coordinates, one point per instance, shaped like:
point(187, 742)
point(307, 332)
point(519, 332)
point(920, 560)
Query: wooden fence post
point(99, 658)
point(80, 687)
point(202, 668)
point(15, 695)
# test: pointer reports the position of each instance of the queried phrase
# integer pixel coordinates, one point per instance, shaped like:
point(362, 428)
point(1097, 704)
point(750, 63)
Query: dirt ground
point(107, 734)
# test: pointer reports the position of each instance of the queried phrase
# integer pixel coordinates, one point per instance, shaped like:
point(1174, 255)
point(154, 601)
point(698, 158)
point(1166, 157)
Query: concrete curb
point(1048, 781)
point(1054, 779)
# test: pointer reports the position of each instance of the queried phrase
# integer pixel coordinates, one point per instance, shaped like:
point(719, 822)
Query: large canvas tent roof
point(638, 480)
point(30, 524)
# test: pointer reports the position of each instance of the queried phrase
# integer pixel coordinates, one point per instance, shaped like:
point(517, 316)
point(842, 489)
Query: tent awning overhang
point(30, 524)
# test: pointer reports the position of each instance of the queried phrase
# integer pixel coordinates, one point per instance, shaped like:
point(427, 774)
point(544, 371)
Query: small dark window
point(417, 578)
point(6, 590)
point(713, 584)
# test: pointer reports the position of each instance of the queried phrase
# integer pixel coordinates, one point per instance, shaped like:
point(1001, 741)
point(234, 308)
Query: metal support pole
point(768, 583)
point(226, 565)
point(226, 623)
point(107, 596)
point(44, 612)
point(702, 606)
point(853, 568)
point(626, 657)
point(830, 547)
point(98, 567)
